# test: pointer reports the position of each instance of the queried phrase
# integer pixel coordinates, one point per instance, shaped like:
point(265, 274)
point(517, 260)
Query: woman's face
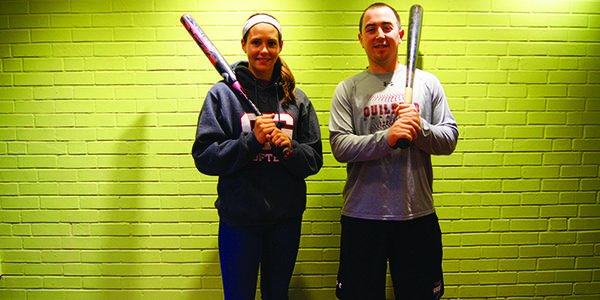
point(262, 46)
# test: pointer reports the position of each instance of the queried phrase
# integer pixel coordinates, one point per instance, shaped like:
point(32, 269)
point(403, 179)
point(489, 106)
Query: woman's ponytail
point(288, 83)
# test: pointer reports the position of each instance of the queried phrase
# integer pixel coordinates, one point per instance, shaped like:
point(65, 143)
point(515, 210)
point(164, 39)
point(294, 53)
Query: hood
point(242, 71)
point(265, 96)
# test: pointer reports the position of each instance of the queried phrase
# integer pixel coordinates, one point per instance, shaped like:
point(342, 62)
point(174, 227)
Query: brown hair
point(288, 81)
point(375, 5)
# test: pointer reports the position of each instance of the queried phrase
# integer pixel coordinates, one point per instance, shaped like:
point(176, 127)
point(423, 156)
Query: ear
point(243, 45)
point(360, 40)
point(401, 33)
point(280, 45)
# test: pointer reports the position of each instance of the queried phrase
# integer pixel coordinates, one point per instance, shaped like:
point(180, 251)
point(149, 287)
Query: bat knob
point(402, 144)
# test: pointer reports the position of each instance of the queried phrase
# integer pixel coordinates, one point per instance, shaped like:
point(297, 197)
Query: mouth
point(263, 59)
point(381, 46)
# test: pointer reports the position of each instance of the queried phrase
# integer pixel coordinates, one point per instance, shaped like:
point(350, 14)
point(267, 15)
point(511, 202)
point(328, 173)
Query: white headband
point(260, 18)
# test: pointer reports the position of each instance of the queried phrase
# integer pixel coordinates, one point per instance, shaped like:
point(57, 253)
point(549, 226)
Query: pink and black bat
point(414, 33)
point(217, 60)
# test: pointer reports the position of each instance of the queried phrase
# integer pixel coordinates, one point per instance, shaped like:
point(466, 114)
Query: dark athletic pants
point(413, 249)
point(243, 248)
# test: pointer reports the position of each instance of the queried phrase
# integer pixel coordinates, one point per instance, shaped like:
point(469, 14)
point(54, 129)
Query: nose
point(263, 49)
point(380, 33)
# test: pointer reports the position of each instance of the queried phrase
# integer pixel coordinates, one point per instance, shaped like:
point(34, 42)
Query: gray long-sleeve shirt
point(385, 183)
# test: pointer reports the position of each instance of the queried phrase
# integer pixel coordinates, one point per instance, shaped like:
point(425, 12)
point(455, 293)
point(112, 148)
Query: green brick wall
point(99, 197)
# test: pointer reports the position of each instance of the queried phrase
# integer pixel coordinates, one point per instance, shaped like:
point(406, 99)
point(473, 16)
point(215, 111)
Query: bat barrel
point(414, 35)
point(208, 48)
point(216, 59)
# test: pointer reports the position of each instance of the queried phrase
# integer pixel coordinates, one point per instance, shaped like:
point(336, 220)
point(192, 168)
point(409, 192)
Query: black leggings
point(413, 249)
point(243, 248)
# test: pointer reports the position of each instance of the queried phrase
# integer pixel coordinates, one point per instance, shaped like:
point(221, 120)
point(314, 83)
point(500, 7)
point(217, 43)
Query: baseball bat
point(414, 34)
point(217, 60)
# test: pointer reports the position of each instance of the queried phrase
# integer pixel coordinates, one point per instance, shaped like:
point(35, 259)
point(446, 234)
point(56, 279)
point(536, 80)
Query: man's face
point(380, 36)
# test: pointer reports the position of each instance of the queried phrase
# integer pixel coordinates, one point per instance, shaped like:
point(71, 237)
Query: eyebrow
point(375, 24)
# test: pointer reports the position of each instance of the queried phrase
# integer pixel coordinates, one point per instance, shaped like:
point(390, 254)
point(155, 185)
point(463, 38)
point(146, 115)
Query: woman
point(261, 162)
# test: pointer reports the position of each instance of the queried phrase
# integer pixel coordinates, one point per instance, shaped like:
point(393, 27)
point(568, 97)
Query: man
point(388, 212)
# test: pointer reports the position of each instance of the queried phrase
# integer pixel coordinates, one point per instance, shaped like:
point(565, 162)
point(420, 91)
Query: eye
point(255, 42)
point(272, 44)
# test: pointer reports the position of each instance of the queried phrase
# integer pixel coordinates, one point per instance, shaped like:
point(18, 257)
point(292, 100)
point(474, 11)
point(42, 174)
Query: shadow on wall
point(137, 244)
point(124, 253)
point(147, 244)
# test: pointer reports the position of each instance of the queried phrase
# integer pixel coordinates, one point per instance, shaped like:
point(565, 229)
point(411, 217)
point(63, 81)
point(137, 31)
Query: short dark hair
point(375, 5)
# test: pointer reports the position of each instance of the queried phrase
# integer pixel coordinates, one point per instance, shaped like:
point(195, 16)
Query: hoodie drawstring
point(279, 122)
